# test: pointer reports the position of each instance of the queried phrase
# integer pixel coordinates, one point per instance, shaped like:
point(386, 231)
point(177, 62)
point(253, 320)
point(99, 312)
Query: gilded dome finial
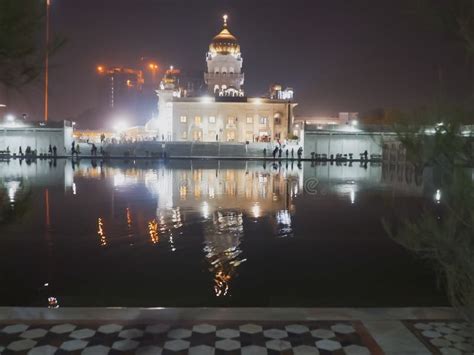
point(225, 17)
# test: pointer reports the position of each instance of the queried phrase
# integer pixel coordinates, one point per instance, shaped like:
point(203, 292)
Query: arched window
point(224, 70)
point(231, 70)
point(216, 70)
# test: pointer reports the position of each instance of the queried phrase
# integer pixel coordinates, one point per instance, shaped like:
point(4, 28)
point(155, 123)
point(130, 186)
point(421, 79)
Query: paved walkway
point(234, 331)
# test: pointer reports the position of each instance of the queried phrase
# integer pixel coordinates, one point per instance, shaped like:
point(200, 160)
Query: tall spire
point(225, 17)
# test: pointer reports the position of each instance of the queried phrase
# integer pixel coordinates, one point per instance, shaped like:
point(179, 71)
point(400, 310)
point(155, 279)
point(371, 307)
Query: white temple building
point(225, 114)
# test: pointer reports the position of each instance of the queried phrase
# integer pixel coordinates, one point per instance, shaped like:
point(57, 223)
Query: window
point(277, 120)
point(183, 119)
point(249, 119)
point(230, 136)
point(263, 120)
point(197, 135)
point(197, 120)
point(212, 119)
point(231, 121)
point(184, 135)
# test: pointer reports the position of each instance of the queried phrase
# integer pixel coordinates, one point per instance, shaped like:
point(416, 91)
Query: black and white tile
point(448, 338)
point(199, 338)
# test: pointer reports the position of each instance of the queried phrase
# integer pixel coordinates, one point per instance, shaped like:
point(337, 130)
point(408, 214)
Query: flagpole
point(46, 71)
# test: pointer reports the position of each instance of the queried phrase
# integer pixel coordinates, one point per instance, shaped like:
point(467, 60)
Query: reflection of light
point(74, 191)
point(12, 189)
point(284, 217)
point(438, 196)
point(153, 231)
point(353, 196)
point(205, 210)
point(120, 179)
point(10, 118)
point(222, 250)
point(101, 233)
point(256, 211)
point(183, 191)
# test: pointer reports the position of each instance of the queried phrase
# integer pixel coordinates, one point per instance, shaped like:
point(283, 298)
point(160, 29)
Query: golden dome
point(225, 42)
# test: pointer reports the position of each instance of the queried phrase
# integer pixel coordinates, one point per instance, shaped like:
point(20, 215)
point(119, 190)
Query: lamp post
point(46, 64)
point(153, 67)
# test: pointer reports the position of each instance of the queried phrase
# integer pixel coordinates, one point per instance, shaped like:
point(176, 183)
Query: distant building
point(225, 114)
point(123, 93)
point(36, 135)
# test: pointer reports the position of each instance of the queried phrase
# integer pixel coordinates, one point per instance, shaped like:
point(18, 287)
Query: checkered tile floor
point(450, 338)
point(201, 338)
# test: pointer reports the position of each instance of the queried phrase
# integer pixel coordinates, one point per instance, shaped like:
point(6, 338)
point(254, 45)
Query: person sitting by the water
point(55, 151)
point(300, 152)
point(366, 155)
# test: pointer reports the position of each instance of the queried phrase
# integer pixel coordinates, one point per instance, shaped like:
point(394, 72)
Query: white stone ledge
point(8, 314)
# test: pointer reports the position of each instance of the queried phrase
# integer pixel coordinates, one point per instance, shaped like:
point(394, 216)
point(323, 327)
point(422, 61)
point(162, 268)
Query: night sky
point(338, 55)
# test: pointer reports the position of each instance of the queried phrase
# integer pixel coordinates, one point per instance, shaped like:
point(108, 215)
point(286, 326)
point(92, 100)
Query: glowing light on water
point(205, 210)
point(153, 231)
point(12, 189)
point(256, 211)
point(101, 232)
point(437, 196)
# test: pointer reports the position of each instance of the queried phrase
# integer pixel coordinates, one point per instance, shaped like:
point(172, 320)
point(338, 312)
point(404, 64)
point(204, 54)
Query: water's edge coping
point(8, 314)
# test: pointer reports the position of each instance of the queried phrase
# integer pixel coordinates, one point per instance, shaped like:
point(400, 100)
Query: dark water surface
point(209, 233)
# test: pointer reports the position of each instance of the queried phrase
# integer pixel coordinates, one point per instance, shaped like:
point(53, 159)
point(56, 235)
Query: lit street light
point(120, 126)
point(154, 68)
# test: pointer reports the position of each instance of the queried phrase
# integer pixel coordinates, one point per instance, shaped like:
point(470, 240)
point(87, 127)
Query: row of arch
point(223, 90)
point(224, 70)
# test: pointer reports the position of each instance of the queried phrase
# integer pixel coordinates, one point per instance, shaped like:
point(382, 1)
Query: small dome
point(225, 42)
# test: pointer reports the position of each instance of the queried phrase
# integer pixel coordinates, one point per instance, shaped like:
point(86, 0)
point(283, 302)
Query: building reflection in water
point(222, 238)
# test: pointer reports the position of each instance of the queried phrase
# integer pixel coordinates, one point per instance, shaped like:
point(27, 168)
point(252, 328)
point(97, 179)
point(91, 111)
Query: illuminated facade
point(226, 114)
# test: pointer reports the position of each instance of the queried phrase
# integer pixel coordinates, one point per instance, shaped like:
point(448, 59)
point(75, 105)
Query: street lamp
point(154, 68)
